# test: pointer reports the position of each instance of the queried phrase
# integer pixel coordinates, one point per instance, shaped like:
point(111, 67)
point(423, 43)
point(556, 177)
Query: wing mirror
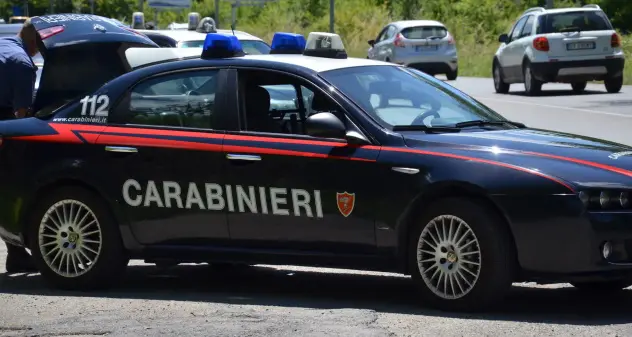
point(371, 43)
point(327, 125)
point(503, 38)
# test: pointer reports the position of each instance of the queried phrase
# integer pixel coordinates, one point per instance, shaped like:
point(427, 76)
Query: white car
point(567, 45)
point(177, 38)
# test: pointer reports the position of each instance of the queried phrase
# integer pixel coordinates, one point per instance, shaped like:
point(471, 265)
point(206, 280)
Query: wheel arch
point(443, 190)
point(51, 186)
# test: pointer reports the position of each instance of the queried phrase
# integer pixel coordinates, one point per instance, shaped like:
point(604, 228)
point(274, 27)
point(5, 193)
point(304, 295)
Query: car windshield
point(399, 96)
point(251, 47)
point(573, 21)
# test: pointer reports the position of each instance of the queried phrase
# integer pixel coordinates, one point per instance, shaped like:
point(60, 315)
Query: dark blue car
point(163, 155)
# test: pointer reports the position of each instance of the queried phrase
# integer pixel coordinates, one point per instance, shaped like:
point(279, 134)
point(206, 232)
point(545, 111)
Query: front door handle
point(246, 157)
point(121, 149)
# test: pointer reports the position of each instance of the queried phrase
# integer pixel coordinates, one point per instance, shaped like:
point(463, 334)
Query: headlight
point(605, 199)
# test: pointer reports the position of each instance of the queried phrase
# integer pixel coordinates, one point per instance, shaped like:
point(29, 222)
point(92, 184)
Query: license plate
point(580, 45)
point(425, 48)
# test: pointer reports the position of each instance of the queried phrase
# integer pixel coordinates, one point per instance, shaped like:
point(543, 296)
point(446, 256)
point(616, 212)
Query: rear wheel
point(452, 75)
point(578, 87)
point(603, 286)
point(460, 255)
point(499, 84)
point(75, 240)
point(532, 86)
point(614, 84)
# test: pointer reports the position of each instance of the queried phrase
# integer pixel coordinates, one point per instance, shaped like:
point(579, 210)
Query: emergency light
point(287, 43)
point(194, 19)
point(329, 45)
point(218, 45)
point(138, 20)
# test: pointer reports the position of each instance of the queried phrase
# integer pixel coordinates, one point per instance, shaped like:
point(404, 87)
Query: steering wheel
point(192, 93)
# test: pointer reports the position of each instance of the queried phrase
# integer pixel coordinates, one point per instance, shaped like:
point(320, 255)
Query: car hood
point(583, 161)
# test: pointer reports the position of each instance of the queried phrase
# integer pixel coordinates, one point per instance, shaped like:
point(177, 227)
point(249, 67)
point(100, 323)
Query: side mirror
point(326, 125)
point(371, 43)
point(503, 38)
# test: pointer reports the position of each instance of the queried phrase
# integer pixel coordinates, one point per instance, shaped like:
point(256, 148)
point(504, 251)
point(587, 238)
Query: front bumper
point(577, 71)
point(558, 241)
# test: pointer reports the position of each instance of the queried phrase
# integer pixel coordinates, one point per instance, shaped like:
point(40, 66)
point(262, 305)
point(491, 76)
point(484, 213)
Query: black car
point(136, 153)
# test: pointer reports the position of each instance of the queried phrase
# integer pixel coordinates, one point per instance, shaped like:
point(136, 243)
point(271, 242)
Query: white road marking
point(556, 107)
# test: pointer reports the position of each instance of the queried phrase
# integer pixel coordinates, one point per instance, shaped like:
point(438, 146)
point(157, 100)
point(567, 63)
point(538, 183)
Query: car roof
point(191, 35)
point(138, 57)
point(416, 23)
point(12, 28)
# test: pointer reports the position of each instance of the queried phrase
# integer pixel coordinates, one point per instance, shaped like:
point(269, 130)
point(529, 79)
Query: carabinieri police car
point(165, 153)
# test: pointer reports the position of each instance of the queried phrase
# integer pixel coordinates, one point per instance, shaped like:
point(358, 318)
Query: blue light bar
point(287, 43)
point(221, 46)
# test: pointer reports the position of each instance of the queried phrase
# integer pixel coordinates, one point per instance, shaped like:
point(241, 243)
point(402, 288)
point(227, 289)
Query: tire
point(603, 286)
point(104, 252)
point(614, 84)
point(578, 87)
point(499, 84)
point(452, 75)
point(490, 280)
point(532, 86)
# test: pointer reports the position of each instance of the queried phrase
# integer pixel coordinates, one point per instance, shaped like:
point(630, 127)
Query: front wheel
point(460, 255)
point(614, 84)
point(75, 240)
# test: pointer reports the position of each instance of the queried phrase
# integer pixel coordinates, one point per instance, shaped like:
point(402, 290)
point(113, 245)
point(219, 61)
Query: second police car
point(159, 156)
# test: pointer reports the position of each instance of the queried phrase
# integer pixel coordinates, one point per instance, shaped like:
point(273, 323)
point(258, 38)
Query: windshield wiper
point(484, 123)
point(427, 129)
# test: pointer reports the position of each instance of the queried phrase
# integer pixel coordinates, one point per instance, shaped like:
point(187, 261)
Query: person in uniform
point(18, 74)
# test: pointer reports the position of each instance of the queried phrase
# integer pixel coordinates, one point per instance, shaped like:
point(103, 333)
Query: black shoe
point(19, 261)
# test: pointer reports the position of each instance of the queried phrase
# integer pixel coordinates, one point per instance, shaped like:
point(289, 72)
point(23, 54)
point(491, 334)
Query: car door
point(289, 190)
point(164, 145)
point(513, 55)
point(383, 44)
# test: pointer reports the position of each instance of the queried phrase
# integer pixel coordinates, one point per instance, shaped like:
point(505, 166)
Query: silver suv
point(568, 45)
point(421, 44)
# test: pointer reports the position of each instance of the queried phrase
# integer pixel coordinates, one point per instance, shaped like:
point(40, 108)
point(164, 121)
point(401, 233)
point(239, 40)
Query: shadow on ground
point(307, 289)
point(557, 92)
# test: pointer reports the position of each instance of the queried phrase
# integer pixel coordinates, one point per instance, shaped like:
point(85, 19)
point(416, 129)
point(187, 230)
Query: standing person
point(18, 74)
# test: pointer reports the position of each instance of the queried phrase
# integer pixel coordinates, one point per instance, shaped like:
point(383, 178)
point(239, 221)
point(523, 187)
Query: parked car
point(568, 45)
point(421, 44)
point(176, 38)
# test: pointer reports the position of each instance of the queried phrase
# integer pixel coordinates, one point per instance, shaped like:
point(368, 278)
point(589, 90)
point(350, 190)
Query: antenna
point(232, 27)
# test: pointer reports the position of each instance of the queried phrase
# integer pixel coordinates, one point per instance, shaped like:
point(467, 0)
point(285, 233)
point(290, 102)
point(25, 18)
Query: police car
point(178, 156)
point(568, 45)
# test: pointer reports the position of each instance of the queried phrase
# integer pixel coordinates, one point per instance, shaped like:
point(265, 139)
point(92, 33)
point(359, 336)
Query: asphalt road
point(594, 113)
point(290, 301)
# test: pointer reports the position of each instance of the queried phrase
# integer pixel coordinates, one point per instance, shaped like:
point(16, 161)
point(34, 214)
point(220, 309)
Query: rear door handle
point(246, 157)
point(121, 149)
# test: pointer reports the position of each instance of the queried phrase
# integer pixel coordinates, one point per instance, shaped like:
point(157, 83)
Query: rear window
point(573, 22)
point(424, 32)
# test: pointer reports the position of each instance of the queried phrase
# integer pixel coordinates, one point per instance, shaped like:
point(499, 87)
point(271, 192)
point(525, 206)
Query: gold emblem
point(73, 237)
point(451, 257)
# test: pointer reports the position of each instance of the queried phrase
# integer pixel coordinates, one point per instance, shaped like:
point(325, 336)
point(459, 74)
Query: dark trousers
point(12, 250)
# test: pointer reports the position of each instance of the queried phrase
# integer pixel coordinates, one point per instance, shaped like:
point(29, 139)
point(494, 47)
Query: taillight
point(541, 43)
point(398, 41)
point(450, 39)
point(615, 41)
point(0, 140)
point(50, 31)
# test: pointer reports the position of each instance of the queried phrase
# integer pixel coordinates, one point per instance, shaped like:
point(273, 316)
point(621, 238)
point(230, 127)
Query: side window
point(516, 32)
point(528, 27)
point(383, 35)
point(271, 102)
point(184, 99)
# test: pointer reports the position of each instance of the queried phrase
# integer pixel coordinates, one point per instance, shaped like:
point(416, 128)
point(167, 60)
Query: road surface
point(292, 301)
point(594, 113)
